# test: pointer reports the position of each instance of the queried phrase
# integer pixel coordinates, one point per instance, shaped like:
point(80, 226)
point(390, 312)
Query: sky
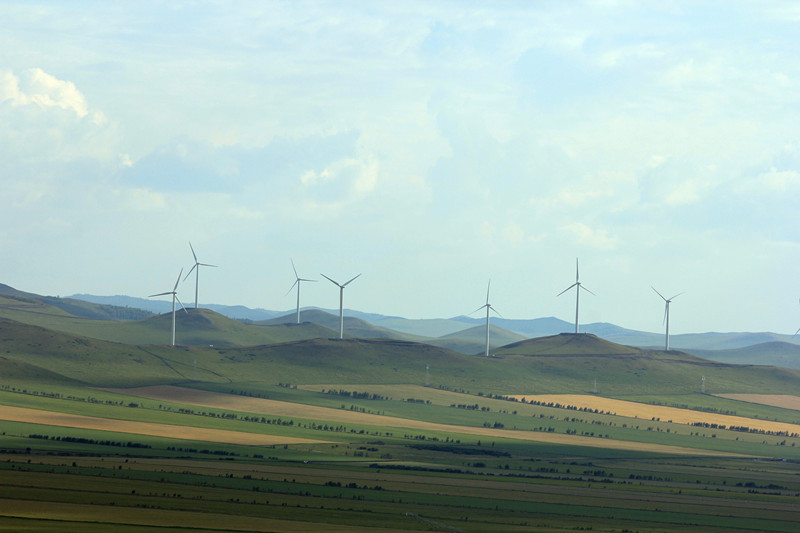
point(429, 146)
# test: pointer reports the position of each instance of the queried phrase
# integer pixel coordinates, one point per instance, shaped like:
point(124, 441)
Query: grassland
point(376, 476)
point(356, 435)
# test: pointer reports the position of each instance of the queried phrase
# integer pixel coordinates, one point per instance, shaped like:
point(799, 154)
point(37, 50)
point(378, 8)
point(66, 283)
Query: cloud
point(770, 183)
point(513, 233)
point(36, 87)
point(586, 236)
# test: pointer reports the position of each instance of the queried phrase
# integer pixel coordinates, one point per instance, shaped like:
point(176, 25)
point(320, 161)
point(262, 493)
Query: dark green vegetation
point(402, 434)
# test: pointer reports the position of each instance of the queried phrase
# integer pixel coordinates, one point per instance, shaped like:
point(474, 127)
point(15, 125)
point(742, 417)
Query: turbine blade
point(478, 309)
point(666, 312)
point(565, 290)
point(496, 311)
point(489, 286)
point(329, 279)
point(180, 302)
point(345, 285)
point(662, 296)
point(175, 288)
point(676, 296)
point(577, 276)
point(580, 286)
point(159, 294)
point(194, 254)
point(292, 287)
point(304, 279)
point(293, 268)
point(190, 271)
point(207, 265)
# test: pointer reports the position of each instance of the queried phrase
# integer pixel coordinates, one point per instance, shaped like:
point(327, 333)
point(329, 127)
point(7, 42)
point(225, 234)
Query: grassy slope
point(617, 369)
point(73, 306)
point(193, 327)
point(473, 340)
point(769, 353)
point(353, 327)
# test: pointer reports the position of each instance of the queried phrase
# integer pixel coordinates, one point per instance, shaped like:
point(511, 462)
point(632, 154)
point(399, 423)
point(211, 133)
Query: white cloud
point(771, 182)
point(594, 238)
point(686, 192)
point(36, 87)
point(513, 233)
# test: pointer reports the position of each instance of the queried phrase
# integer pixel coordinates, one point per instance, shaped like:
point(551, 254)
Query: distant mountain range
point(122, 319)
point(440, 327)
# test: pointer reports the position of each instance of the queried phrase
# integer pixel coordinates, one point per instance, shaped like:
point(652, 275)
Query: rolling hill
point(353, 327)
point(473, 340)
point(438, 327)
point(31, 354)
point(194, 326)
point(768, 353)
point(73, 306)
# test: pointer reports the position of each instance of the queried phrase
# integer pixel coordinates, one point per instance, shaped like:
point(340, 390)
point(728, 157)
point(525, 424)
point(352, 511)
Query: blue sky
point(428, 145)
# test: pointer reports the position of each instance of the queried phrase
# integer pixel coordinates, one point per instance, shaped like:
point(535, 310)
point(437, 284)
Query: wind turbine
point(341, 297)
point(796, 332)
point(297, 282)
point(197, 265)
point(174, 294)
point(666, 314)
point(578, 286)
point(488, 307)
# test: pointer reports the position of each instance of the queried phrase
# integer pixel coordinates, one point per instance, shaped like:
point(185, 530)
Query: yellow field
point(777, 400)
point(52, 418)
point(279, 408)
point(76, 512)
point(648, 412)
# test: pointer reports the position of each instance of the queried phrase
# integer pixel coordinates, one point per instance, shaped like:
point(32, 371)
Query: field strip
point(275, 407)
point(645, 411)
point(80, 512)
point(776, 400)
point(53, 418)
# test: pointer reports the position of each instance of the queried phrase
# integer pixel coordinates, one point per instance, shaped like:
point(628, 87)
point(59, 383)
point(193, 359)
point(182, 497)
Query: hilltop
point(353, 327)
point(73, 306)
point(32, 354)
point(567, 344)
point(473, 340)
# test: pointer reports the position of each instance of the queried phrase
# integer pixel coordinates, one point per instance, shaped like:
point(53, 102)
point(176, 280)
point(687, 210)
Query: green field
point(400, 436)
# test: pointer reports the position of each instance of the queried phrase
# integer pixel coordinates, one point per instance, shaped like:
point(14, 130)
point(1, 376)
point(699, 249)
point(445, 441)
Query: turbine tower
point(174, 294)
point(196, 267)
point(341, 297)
point(578, 287)
point(488, 307)
point(297, 281)
point(666, 314)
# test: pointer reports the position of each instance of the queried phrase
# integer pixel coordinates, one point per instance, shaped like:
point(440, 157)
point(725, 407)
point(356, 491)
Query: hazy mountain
point(437, 327)
point(79, 307)
point(781, 354)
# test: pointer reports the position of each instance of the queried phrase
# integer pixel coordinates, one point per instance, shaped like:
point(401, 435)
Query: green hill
point(193, 327)
point(75, 307)
point(568, 344)
point(768, 353)
point(473, 340)
point(32, 354)
point(353, 327)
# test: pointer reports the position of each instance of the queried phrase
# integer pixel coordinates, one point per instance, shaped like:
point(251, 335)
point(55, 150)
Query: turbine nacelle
point(341, 298)
point(578, 287)
point(174, 294)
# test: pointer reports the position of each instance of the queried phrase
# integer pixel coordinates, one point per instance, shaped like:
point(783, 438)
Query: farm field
point(396, 457)
point(343, 435)
point(778, 400)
